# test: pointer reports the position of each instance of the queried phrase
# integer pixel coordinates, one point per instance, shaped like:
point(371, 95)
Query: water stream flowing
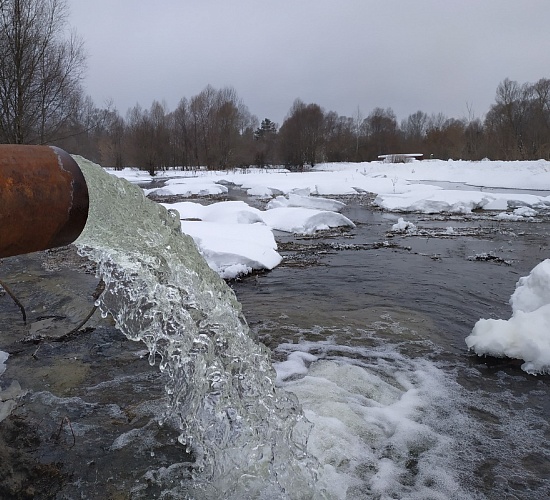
point(247, 436)
point(365, 328)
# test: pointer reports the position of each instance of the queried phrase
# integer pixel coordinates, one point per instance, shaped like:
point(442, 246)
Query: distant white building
point(401, 158)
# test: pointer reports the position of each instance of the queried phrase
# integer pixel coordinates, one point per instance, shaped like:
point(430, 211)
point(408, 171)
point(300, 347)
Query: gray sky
point(429, 55)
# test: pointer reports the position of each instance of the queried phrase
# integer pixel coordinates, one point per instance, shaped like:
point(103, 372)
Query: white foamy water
point(376, 416)
point(3, 359)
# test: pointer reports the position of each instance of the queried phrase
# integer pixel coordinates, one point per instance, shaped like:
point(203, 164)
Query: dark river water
point(422, 294)
point(87, 421)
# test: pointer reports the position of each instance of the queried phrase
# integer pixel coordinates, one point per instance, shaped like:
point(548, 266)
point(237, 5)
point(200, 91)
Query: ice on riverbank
point(526, 335)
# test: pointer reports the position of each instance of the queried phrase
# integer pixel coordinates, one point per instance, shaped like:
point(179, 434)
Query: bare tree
point(342, 136)
point(111, 142)
point(41, 69)
point(382, 132)
point(148, 137)
point(414, 130)
point(301, 137)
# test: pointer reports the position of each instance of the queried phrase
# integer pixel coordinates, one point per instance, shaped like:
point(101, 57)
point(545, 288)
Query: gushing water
point(248, 437)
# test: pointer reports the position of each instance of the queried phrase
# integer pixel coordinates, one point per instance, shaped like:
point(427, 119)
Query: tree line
point(42, 102)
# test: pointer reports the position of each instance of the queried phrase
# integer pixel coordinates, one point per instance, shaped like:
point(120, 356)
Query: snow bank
point(304, 220)
point(306, 201)
point(190, 186)
point(236, 238)
point(497, 174)
point(234, 249)
point(526, 335)
point(432, 200)
point(226, 212)
point(133, 175)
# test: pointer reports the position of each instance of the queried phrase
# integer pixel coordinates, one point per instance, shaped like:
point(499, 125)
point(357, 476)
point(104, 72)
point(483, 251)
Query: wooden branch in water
point(97, 293)
point(61, 338)
point(16, 300)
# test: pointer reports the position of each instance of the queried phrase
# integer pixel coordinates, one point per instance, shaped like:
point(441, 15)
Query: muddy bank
point(87, 406)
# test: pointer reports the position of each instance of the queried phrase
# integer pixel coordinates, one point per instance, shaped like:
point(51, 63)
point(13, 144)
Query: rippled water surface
point(401, 409)
point(420, 299)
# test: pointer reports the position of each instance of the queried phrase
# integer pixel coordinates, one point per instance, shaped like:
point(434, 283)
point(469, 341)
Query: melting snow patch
point(299, 200)
point(526, 335)
point(403, 226)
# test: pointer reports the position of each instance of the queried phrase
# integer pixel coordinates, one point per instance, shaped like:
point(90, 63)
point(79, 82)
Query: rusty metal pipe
point(43, 199)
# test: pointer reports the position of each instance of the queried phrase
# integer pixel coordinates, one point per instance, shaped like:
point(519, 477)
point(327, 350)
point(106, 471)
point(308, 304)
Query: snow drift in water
point(236, 238)
point(526, 335)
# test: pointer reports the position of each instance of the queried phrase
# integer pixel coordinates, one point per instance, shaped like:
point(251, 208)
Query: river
point(401, 409)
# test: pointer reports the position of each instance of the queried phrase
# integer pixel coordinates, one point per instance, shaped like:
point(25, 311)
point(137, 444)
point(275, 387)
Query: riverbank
point(88, 405)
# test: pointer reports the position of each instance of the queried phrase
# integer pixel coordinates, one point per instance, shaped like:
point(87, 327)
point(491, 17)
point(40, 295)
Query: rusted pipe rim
point(43, 199)
point(78, 212)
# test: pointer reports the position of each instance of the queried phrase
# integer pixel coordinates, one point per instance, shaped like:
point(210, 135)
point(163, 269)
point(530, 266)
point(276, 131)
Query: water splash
point(249, 438)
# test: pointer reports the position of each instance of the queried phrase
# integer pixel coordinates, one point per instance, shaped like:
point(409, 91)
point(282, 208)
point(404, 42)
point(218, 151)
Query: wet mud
point(86, 421)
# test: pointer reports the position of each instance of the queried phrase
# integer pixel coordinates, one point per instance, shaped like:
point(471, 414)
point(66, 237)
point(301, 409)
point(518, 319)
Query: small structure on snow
point(401, 158)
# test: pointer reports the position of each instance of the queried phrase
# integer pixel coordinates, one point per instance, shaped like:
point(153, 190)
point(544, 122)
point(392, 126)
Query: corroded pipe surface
point(43, 199)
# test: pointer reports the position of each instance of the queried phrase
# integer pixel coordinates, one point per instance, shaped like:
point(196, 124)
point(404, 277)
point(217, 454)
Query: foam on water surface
point(375, 416)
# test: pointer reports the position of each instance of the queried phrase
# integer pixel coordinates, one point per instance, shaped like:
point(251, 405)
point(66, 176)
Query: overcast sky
point(432, 55)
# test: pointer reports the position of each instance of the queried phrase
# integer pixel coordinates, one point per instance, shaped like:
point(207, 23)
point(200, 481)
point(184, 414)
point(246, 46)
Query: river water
point(373, 323)
point(406, 309)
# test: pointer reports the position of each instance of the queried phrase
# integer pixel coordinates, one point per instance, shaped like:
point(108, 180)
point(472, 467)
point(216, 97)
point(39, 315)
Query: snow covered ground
point(298, 202)
point(236, 238)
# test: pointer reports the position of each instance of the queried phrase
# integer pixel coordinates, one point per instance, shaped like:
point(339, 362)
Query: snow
point(430, 201)
point(403, 226)
point(304, 220)
point(189, 186)
point(300, 203)
point(236, 238)
point(234, 249)
point(301, 198)
point(526, 335)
